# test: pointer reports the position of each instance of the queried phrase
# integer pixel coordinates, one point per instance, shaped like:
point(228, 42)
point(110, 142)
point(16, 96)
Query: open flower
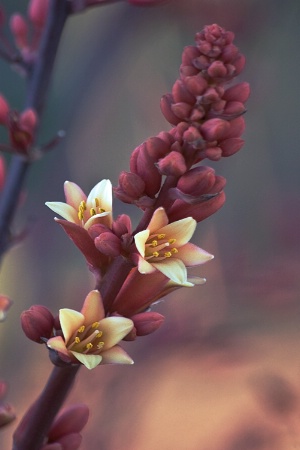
point(89, 337)
point(164, 246)
point(86, 210)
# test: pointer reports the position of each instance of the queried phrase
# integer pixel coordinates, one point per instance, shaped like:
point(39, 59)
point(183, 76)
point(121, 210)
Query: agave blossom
point(165, 247)
point(89, 337)
point(86, 210)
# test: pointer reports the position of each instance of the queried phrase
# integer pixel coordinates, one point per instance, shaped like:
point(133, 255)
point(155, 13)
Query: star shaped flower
point(89, 337)
point(165, 247)
point(86, 210)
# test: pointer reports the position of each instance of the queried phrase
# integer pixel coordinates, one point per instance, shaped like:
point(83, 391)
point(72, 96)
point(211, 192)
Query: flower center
point(95, 209)
point(159, 247)
point(87, 340)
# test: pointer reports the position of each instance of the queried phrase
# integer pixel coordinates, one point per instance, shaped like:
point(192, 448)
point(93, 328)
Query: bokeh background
point(224, 370)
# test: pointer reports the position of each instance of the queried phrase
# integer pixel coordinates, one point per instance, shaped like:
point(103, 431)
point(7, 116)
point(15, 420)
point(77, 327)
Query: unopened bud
point(19, 29)
point(217, 70)
point(197, 181)
point(147, 322)
point(108, 243)
point(172, 164)
point(7, 414)
point(166, 103)
point(240, 93)
point(214, 129)
point(131, 184)
point(37, 323)
point(71, 420)
point(122, 225)
point(4, 109)
point(37, 12)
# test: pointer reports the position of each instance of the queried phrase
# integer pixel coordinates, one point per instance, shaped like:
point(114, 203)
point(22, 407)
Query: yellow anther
point(154, 243)
point(97, 203)
point(82, 205)
point(77, 340)
point(168, 254)
point(81, 329)
point(161, 236)
point(80, 215)
point(93, 212)
point(99, 334)
point(89, 346)
point(95, 324)
point(174, 250)
point(100, 345)
point(102, 210)
point(172, 241)
point(155, 254)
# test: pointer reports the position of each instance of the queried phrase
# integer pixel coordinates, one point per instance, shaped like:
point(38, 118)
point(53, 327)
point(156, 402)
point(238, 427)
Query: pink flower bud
point(181, 110)
point(196, 84)
point(19, 29)
point(108, 244)
point(217, 70)
point(131, 185)
point(214, 129)
point(71, 420)
point(165, 106)
point(142, 164)
point(37, 322)
point(172, 164)
point(236, 129)
point(122, 225)
point(4, 109)
point(189, 54)
point(240, 93)
point(28, 120)
point(231, 146)
point(181, 94)
point(197, 181)
point(147, 322)
point(213, 153)
point(234, 109)
point(199, 212)
point(37, 12)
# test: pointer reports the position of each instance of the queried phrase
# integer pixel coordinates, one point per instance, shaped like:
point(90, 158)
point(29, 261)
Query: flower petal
point(174, 269)
point(58, 344)
point(191, 255)
point(181, 230)
point(93, 309)
point(158, 220)
point(103, 192)
point(144, 267)
point(64, 210)
point(116, 355)
point(114, 329)
point(90, 361)
point(105, 218)
point(70, 321)
point(74, 194)
point(140, 241)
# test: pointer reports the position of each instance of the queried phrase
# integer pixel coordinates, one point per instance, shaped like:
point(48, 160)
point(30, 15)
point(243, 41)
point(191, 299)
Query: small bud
point(166, 103)
point(239, 93)
point(196, 85)
point(181, 94)
point(109, 244)
point(4, 109)
point(71, 420)
point(37, 322)
point(197, 181)
point(217, 70)
point(172, 164)
point(147, 322)
point(37, 12)
point(231, 146)
point(7, 414)
point(131, 184)
point(214, 129)
point(19, 29)
point(122, 225)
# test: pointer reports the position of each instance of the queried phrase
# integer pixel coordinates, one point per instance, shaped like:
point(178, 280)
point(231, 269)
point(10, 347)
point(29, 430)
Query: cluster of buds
point(21, 128)
point(27, 31)
point(206, 116)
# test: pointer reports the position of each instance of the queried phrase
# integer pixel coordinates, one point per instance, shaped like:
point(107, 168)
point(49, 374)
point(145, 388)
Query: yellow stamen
point(82, 205)
point(102, 210)
point(161, 236)
point(80, 215)
point(100, 345)
point(99, 334)
point(95, 324)
point(77, 340)
point(89, 346)
point(168, 254)
point(154, 243)
point(174, 250)
point(93, 212)
point(97, 203)
point(81, 329)
point(155, 254)
point(172, 241)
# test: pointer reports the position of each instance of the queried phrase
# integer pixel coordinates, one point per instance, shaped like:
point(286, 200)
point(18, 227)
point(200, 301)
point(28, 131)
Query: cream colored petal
point(74, 194)
point(103, 192)
point(116, 355)
point(58, 344)
point(159, 220)
point(64, 210)
point(144, 267)
point(140, 241)
point(90, 361)
point(196, 280)
point(70, 321)
point(181, 230)
point(191, 255)
point(114, 329)
point(103, 218)
point(93, 309)
point(174, 269)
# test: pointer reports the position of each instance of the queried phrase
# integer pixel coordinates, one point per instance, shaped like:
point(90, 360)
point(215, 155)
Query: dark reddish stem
point(34, 427)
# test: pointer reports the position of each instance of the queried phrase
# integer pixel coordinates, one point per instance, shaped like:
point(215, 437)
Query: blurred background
point(224, 370)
